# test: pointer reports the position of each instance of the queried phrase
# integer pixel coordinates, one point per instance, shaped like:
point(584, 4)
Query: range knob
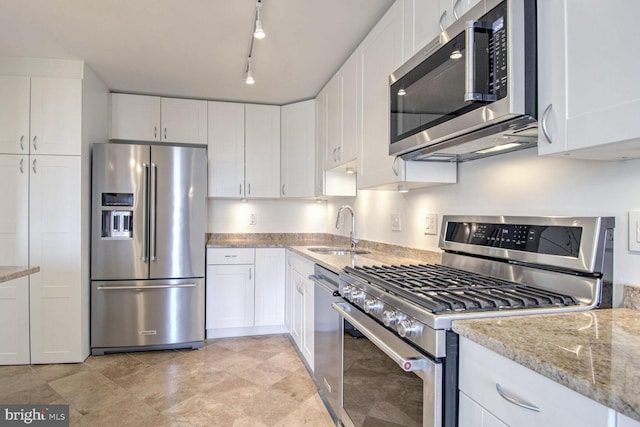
point(408, 328)
point(372, 306)
point(389, 317)
point(357, 296)
point(346, 291)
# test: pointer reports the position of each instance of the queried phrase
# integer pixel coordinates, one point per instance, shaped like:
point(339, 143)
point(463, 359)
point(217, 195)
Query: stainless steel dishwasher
point(327, 338)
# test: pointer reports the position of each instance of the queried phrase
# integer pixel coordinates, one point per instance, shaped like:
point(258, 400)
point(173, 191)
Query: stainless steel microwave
point(471, 92)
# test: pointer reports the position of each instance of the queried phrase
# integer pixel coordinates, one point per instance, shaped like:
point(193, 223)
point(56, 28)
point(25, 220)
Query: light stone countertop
point(595, 353)
point(379, 253)
point(15, 272)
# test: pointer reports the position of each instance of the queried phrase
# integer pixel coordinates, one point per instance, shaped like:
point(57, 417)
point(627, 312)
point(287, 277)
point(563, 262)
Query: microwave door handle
point(470, 94)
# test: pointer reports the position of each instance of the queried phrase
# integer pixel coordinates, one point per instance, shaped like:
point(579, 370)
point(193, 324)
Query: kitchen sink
point(338, 251)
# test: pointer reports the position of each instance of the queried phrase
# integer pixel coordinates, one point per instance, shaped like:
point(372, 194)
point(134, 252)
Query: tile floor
point(252, 381)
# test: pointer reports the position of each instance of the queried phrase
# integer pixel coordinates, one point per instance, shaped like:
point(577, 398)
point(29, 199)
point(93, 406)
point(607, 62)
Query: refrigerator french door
point(147, 258)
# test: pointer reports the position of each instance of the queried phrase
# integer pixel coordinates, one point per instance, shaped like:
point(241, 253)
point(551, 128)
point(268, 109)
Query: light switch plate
point(634, 231)
point(431, 224)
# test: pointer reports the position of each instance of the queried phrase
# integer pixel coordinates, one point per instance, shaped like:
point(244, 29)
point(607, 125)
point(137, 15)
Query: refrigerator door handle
point(145, 212)
point(142, 288)
point(153, 201)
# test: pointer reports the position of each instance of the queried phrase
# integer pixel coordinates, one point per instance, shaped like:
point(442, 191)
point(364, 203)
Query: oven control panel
point(542, 239)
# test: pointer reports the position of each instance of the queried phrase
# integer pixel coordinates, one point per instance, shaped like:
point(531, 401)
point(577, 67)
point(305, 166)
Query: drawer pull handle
point(515, 400)
point(231, 256)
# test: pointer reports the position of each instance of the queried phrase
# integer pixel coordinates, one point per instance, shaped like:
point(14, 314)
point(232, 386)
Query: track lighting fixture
point(248, 79)
point(258, 31)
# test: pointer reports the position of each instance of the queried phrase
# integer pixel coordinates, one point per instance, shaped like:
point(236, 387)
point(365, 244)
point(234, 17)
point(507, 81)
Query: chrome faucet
point(352, 235)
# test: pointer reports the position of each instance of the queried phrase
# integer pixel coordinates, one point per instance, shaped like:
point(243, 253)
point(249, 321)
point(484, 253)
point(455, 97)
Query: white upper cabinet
point(297, 151)
point(183, 120)
point(381, 54)
point(226, 149)
point(40, 115)
point(588, 91)
point(341, 98)
point(135, 117)
point(14, 114)
point(420, 25)
point(244, 150)
point(151, 118)
point(56, 109)
point(262, 151)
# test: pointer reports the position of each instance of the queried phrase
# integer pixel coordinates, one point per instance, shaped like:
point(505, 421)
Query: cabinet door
point(262, 151)
point(14, 115)
point(297, 309)
point(420, 25)
point(269, 287)
point(551, 77)
point(602, 114)
point(56, 246)
point(135, 117)
point(333, 99)
point(624, 421)
point(308, 326)
point(349, 72)
point(298, 160)
point(381, 54)
point(230, 296)
point(14, 215)
point(14, 322)
point(226, 149)
point(470, 414)
point(56, 116)
point(321, 140)
point(183, 121)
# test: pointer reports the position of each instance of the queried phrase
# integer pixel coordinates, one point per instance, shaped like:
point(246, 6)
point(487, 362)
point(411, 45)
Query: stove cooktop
point(443, 290)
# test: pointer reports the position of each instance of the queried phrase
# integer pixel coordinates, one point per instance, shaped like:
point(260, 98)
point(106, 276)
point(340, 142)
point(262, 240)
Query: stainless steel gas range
point(405, 372)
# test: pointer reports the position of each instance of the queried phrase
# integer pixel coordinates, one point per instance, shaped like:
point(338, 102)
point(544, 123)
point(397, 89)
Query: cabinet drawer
point(230, 255)
point(481, 370)
point(301, 264)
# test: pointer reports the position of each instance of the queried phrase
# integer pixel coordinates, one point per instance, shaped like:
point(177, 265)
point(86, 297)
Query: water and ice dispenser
point(117, 215)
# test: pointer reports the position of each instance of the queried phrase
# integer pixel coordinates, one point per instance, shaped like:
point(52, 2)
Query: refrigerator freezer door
point(119, 187)
point(178, 190)
point(146, 313)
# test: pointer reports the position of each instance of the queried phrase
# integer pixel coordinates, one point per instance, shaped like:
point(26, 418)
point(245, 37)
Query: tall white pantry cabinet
point(51, 112)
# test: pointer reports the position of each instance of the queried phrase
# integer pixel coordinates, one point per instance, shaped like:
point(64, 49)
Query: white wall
point(519, 183)
point(272, 216)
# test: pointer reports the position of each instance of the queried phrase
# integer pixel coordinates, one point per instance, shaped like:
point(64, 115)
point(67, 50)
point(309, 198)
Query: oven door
point(385, 380)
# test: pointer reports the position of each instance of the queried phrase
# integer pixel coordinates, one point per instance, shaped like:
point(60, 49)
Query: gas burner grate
point(442, 289)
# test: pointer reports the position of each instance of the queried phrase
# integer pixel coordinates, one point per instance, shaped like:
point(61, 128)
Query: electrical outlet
point(396, 225)
point(253, 219)
point(431, 224)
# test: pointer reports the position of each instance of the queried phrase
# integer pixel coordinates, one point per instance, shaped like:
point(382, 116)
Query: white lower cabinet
point(244, 291)
point(14, 322)
point(472, 414)
point(505, 393)
point(300, 304)
point(624, 421)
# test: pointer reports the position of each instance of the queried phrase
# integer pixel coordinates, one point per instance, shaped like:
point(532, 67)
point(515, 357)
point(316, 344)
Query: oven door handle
point(407, 358)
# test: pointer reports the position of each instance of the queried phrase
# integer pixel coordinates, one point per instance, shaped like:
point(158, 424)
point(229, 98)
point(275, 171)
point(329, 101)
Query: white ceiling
point(194, 48)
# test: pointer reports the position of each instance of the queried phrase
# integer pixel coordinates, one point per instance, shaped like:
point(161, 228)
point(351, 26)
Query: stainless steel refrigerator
point(147, 247)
